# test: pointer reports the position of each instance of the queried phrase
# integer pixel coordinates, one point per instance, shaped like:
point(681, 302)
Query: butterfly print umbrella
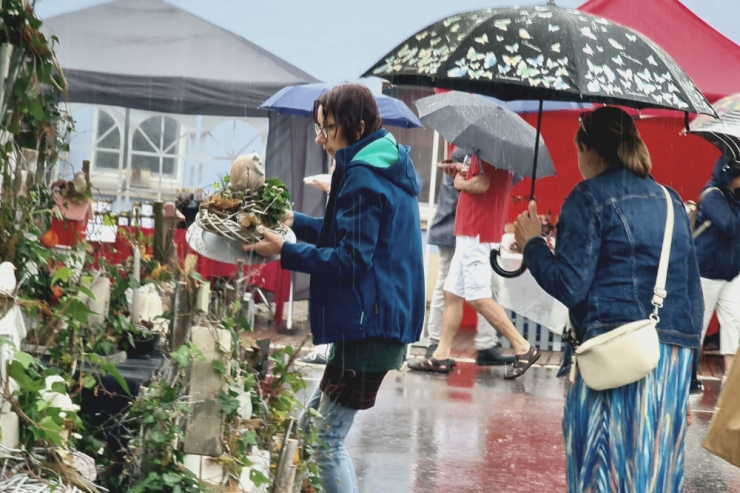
point(545, 53)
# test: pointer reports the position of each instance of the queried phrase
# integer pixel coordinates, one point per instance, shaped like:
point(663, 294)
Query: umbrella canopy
point(497, 135)
point(725, 131)
point(545, 53)
point(298, 100)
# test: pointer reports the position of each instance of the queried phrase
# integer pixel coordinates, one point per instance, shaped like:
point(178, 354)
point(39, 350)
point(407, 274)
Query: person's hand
point(288, 219)
point(271, 244)
point(449, 168)
point(527, 226)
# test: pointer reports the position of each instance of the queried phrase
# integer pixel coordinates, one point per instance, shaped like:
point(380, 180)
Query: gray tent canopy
point(108, 55)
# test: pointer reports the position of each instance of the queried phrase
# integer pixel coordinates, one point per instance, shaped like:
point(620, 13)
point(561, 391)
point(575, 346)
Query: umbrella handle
point(506, 274)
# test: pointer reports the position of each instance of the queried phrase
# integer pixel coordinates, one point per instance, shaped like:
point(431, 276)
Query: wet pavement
point(472, 431)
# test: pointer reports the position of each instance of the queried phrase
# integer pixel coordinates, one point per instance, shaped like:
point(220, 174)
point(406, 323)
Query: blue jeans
point(335, 465)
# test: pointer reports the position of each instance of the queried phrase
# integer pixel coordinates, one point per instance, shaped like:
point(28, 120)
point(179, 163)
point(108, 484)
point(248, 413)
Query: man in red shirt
point(479, 222)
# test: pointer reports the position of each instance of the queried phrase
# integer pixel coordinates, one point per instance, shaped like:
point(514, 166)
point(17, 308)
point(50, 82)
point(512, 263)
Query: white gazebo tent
point(163, 99)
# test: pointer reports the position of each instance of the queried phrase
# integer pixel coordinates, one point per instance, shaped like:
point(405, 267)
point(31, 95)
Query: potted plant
point(135, 339)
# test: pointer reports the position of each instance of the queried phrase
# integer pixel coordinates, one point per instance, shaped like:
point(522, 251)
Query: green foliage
point(276, 195)
point(155, 462)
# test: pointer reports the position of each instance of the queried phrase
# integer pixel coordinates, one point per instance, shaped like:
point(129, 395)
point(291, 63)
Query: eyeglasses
point(323, 129)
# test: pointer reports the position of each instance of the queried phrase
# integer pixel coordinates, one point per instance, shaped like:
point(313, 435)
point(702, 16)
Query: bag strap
point(659, 292)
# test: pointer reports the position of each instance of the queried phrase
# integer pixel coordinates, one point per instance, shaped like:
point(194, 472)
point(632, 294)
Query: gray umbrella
point(497, 135)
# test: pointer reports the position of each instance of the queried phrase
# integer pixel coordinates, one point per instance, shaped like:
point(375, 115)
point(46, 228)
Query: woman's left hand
point(527, 226)
point(271, 244)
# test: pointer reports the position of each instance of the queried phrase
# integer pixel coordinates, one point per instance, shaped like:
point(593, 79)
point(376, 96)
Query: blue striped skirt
point(630, 439)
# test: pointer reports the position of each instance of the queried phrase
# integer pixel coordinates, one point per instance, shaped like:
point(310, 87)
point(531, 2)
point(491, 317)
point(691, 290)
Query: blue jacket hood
point(722, 175)
point(385, 156)
point(718, 247)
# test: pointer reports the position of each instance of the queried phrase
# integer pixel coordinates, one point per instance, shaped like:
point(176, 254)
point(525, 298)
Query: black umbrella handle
point(506, 274)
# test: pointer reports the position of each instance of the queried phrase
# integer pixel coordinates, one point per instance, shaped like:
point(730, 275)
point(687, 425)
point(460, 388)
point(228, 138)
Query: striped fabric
point(630, 439)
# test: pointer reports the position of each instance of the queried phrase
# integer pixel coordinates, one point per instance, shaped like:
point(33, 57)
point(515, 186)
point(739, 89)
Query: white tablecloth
point(525, 297)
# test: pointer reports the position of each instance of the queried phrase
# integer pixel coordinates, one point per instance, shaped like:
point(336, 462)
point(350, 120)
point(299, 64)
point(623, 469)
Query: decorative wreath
point(243, 215)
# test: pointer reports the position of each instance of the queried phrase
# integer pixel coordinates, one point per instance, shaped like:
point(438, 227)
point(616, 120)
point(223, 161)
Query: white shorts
point(470, 269)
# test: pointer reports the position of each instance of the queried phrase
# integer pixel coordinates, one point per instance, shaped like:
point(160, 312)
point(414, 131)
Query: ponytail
point(634, 154)
point(612, 133)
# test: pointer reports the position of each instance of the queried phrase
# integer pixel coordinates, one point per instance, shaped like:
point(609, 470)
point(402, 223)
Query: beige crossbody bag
point(629, 352)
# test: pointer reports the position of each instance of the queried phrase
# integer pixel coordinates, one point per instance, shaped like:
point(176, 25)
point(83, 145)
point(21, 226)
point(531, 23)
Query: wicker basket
point(230, 229)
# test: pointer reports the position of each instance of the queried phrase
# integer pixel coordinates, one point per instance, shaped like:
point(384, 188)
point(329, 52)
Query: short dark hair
point(350, 104)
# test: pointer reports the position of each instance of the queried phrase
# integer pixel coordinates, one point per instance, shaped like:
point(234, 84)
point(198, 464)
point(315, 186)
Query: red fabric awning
point(711, 60)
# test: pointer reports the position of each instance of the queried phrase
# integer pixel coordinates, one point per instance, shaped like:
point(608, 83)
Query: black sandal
point(432, 364)
point(523, 362)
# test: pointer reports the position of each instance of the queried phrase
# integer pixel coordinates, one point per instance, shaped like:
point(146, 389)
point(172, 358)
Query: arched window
point(97, 138)
point(224, 143)
point(155, 146)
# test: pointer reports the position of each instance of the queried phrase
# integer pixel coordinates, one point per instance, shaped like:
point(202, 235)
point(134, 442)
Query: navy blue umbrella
point(298, 100)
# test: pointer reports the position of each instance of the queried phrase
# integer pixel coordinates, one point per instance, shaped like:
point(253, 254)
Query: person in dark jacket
point(718, 253)
point(366, 266)
point(609, 239)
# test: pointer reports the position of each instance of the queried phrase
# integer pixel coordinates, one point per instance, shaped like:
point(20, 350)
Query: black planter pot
point(142, 347)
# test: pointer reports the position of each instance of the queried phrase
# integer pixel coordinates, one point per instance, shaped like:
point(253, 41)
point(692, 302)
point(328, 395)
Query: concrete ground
point(472, 431)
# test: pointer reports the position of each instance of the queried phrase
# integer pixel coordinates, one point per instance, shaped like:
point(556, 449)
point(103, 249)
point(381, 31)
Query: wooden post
point(181, 320)
point(86, 170)
point(159, 235)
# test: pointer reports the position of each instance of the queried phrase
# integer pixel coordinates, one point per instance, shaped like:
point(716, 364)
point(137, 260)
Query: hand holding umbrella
point(527, 226)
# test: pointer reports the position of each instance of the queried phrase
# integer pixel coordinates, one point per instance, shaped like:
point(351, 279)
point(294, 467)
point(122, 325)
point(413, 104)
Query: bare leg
point(496, 316)
point(729, 359)
point(451, 318)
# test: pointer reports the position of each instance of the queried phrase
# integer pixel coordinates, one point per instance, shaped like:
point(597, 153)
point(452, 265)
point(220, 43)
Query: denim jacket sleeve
point(696, 297)
point(567, 274)
point(359, 211)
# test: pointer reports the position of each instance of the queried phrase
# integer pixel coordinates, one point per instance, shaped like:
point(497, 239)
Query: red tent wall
point(710, 59)
point(684, 162)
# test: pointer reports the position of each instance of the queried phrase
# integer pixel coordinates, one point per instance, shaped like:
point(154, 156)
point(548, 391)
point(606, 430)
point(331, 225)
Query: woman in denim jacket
point(604, 267)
